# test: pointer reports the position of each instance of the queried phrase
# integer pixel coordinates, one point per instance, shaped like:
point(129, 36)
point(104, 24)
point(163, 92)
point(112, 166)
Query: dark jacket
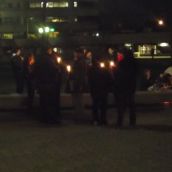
point(125, 76)
point(47, 72)
point(79, 74)
point(99, 81)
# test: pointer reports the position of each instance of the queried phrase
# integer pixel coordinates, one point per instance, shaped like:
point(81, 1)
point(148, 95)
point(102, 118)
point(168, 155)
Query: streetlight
point(45, 29)
point(41, 30)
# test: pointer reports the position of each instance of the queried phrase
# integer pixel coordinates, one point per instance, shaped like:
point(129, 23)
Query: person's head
point(147, 73)
point(110, 51)
point(18, 51)
point(49, 50)
point(128, 53)
point(78, 53)
point(89, 55)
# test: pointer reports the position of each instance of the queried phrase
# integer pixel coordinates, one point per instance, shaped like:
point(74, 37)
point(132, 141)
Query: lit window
point(7, 36)
point(56, 19)
point(75, 4)
point(62, 4)
point(36, 5)
point(49, 5)
point(42, 4)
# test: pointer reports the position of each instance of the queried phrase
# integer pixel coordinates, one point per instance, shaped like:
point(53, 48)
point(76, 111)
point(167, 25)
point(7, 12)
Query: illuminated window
point(36, 5)
point(56, 19)
point(62, 4)
point(53, 34)
point(42, 4)
point(7, 36)
point(75, 4)
point(146, 49)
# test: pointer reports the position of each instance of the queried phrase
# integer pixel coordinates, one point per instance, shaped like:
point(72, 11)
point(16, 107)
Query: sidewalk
point(29, 146)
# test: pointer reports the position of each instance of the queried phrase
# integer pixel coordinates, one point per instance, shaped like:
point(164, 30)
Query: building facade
point(25, 19)
point(73, 23)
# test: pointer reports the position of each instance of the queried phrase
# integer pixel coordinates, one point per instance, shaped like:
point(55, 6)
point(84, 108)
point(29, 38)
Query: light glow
point(68, 68)
point(112, 64)
point(40, 30)
point(59, 60)
point(164, 44)
point(102, 65)
point(47, 29)
point(161, 22)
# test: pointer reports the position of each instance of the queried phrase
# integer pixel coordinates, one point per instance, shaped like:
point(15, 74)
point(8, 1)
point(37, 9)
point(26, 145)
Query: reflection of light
point(112, 64)
point(68, 68)
point(164, 44)
point(102, 65)
point(59, 60)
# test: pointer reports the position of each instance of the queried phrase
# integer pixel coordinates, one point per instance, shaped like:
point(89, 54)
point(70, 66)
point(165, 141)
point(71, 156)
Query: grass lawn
point(29, 146)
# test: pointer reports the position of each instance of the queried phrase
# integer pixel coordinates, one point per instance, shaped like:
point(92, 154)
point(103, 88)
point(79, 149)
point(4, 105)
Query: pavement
point(26, 145)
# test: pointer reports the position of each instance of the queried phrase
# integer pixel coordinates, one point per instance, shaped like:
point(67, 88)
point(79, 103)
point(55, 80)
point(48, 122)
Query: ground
point(27, 145)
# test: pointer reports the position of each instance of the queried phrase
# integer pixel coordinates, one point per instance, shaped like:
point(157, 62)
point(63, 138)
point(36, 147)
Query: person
point(48, 81)
point(88, 59)
point(17, 62)
point(152, 52)
point(125, 78)
point(146, 80)
point(99, 79)
point(111, 53)
point(78, 79)
point(29, 65)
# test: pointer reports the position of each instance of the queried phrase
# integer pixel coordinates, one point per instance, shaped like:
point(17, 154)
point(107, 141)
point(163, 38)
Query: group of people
point(97, 72)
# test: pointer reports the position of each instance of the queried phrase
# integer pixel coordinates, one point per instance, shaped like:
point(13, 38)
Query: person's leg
point(43, 107)
point(30, 93)
point(132, 110)
point(58, 114)
point(103, 110)
point(19, 83)
point(121, 107)
point(95, 110)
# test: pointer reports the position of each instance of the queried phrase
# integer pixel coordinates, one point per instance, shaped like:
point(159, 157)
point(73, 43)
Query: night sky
point(141, 12)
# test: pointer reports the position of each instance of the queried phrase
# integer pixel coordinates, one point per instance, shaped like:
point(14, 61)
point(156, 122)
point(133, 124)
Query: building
point(69, 23)
point(35, 19)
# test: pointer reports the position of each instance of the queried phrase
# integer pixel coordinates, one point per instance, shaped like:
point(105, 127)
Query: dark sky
point(137, 10)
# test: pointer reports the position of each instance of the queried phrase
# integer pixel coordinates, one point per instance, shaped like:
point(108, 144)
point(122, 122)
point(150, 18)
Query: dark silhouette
point(17, 62)
point(48, 81)
point(78, 80)
point(99, 80)
point(29, 65)
point(146, 80)
point(125, 86)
